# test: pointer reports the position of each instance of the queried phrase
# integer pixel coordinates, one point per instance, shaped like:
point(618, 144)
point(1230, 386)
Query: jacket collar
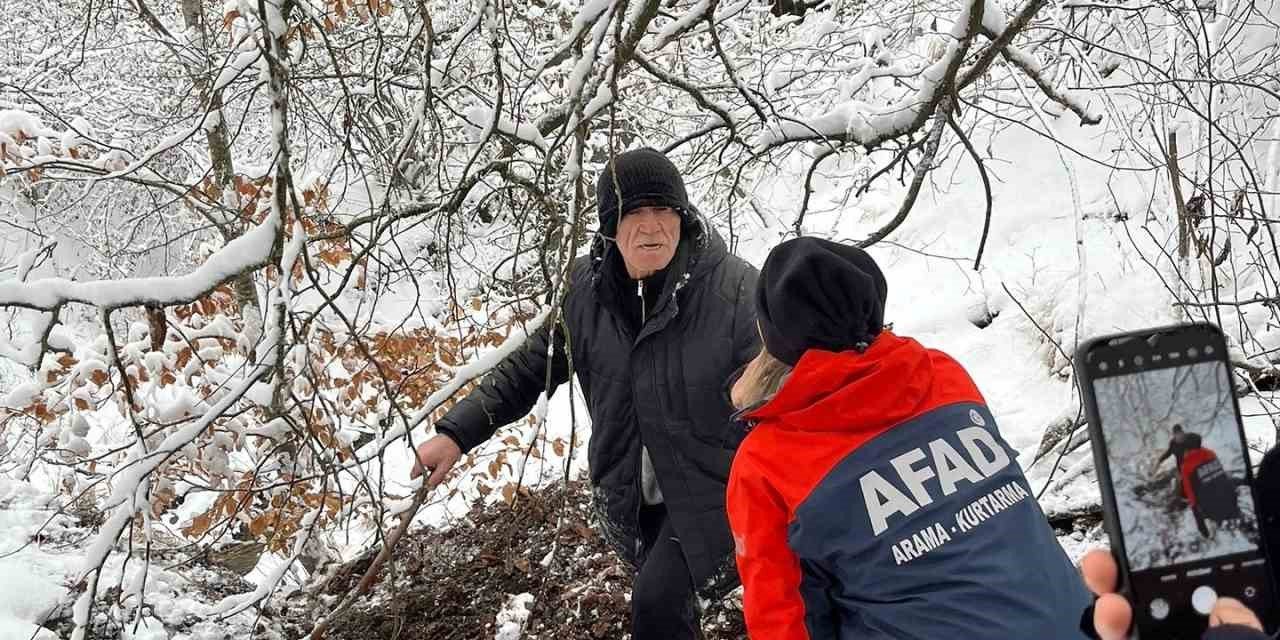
point(851, 391)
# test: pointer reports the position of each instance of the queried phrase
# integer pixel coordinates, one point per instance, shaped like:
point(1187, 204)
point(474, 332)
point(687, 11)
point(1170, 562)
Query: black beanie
point(818, 294)
point(644, 177)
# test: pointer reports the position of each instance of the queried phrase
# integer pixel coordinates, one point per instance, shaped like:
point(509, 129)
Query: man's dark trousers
point(662, 601)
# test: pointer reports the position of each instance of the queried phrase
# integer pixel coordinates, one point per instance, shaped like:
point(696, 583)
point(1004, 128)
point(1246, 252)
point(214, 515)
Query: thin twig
point(986, 187)
point(923, 169)
point(371, 574)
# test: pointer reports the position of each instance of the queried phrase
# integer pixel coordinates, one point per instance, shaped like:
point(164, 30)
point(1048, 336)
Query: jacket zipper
point(684, 279)
point(640, 292)
point(640, 473)
point(644, 313)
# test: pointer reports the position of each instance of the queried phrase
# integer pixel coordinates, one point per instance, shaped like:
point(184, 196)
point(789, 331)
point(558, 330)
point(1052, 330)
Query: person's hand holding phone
point(1112, 613)
point(1187, 530)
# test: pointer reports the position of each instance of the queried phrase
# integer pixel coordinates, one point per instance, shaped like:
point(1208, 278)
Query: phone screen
point(1179, 472)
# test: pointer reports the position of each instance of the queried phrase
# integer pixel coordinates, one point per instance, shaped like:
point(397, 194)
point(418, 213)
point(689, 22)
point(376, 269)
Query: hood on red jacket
point(894, 379)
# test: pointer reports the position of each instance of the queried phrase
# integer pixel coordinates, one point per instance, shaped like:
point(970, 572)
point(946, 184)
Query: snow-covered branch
point(1028, 65)
point(131, 492)
point(246, 253)
point(854, 121)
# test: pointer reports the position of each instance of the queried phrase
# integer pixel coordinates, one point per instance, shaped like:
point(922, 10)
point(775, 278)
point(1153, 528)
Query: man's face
point(647, 238)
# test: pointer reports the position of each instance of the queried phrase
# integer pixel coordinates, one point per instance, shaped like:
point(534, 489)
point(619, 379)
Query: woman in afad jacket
point(874, 496)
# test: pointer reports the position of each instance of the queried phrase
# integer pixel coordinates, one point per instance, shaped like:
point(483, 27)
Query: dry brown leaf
point(199, 525)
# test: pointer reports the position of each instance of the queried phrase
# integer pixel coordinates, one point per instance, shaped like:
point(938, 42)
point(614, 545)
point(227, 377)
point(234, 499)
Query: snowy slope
point(33, 579)
point(42, 554)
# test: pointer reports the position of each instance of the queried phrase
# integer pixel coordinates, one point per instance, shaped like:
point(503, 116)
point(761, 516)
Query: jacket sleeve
point(508, 392)
point(746, 336)
point(772, 600)
point(1233, 632)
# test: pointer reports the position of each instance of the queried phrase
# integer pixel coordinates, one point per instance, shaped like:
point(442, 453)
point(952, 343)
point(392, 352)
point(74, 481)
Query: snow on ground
point(32, 582)
point(513, 616)
point(42, 553)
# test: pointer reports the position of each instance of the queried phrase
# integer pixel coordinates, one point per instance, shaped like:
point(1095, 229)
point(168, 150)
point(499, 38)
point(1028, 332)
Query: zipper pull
point(640, 292)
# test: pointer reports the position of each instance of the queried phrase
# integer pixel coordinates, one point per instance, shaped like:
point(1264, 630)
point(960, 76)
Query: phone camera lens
point(1208, 351)
point(1102, 366)
point(1193, 352)
point(1137, 361)
point(1160, 608)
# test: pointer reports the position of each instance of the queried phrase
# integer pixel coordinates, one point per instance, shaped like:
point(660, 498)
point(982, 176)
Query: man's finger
point(1111, 617)
point(437, 475)
point(1100, 571)
point(1232, 611)
point(418, 466)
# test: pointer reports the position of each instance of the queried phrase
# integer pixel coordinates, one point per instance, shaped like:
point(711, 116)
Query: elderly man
point(657, 317)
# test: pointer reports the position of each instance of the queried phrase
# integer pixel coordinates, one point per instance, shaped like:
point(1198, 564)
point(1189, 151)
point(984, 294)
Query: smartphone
point(1177, 488)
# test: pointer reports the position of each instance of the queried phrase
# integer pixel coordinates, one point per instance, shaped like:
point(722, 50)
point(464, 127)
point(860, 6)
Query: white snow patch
point(483, 117)
point(17, 123)
point(148, 628)
point(682, 24)
point(21, 395)
point(32, 581)
point(75, 136)
point(513, 616)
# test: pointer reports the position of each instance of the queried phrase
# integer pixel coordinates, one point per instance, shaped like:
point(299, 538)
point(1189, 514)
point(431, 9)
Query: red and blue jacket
point(1192, 461)
point(875, 498)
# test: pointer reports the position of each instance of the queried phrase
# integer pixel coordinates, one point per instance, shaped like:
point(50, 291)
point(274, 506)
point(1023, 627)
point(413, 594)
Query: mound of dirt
point(450, 585)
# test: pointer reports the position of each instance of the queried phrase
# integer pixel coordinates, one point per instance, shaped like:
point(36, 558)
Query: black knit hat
point(637, 178)
point(818, 294)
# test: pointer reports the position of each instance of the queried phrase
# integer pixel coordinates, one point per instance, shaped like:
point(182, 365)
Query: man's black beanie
point(818, 294)
point(641, 177)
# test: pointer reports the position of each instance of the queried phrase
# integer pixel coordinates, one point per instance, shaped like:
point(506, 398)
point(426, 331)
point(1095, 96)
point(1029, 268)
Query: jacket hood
point(891, 381)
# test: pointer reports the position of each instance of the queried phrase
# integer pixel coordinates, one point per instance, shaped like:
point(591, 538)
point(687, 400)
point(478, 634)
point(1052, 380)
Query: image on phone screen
point(1179, 474)
point(1177, 465)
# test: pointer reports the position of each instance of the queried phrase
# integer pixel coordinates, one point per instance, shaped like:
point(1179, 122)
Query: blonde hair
point(760, 381)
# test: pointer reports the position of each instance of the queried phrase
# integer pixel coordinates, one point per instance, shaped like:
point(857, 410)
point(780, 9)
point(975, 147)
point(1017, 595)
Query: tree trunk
point(1184, 225)
point(191, 14)
point(218, 139)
